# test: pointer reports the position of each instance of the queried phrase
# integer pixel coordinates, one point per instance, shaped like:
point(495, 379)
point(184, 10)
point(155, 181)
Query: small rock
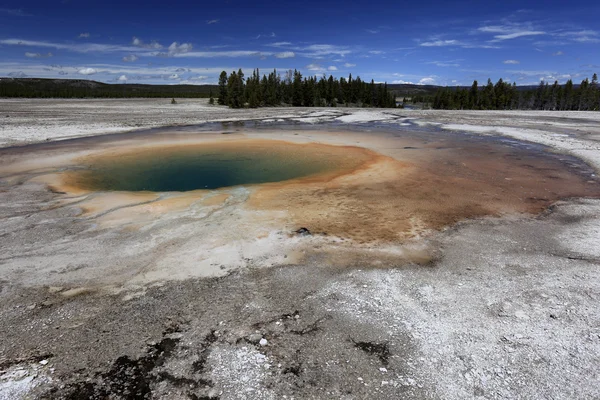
point(521, 314)
point(255, 338)
point(553, 316)
point(263, 342)
point(44, 362)
point(383, 369)
point(303, 232)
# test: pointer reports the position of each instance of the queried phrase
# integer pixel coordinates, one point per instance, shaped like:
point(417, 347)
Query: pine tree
point(474, 96)
point(296, 87)
point(223, 88)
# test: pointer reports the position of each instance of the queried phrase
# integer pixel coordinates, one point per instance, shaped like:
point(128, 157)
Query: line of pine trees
point(504, 96)
point(67, 88)
point(236, 91)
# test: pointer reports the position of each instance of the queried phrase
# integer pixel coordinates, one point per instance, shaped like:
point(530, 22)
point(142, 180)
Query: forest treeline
point(506, 96)
point(80, 88)
point(293, 89)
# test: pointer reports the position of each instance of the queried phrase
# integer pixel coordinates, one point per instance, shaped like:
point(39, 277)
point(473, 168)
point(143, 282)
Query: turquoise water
point(185, 169)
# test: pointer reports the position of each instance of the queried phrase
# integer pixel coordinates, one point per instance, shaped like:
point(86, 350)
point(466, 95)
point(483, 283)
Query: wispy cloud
point(87, 71)
point(79, 48)
point(441, 43)
point(212, 21)
point(140, 43)
point(581, 36)
point(224, 54)
point(130, 58)
point(84, 35)
point(17, 12)
point(515, 35)
point(315, 68)
point(451, 63)
point(269, 35)
point(348, 65)
point(17, 74)
point(38, 55)
point(285, 54)
point(279, 44)
point(587, 36)
point(511, 62)
point(176, 49)
point(372, 31)
point(319, 50)
point(558, 53)
point(332, 68)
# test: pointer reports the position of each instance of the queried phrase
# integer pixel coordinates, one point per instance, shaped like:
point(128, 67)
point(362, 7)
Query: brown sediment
point(391, 201)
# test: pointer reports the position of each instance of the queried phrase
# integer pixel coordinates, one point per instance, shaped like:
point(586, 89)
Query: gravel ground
point(507, 310)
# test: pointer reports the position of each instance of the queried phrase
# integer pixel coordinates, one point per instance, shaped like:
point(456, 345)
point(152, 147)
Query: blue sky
point(424, 42)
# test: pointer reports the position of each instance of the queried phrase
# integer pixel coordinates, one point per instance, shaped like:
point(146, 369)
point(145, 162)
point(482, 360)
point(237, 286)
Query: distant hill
point(80, 88)
point(410, 90)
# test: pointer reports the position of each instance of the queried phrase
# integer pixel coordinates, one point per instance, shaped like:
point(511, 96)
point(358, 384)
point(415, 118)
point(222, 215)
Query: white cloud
point(286, 54)
point(511, 62)
point(401, 82)
point(451, 63)
point(17, 12)
point(38, 55)
point(583, 36)
point(587, 39)
point(348, 65)
point(122, 78)
point(332, 68)
point(212, 21)
point(376, 52)
point(79, 48)
point(372, 31)
point(140, 43)
point(318, 50)
point(87, 71)
point(84, 35)
point(130, 58)
point(227, 54)
point(514, 35)
point(176, 48)
point(271, 35)
point(280, 44)
point(314, 67)
point(558, 53)
point(18, 74)
point(427, 81)
point(440, 43)
point(174, 77)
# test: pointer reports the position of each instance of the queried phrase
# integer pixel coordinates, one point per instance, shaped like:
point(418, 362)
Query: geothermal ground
point(449, 255)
